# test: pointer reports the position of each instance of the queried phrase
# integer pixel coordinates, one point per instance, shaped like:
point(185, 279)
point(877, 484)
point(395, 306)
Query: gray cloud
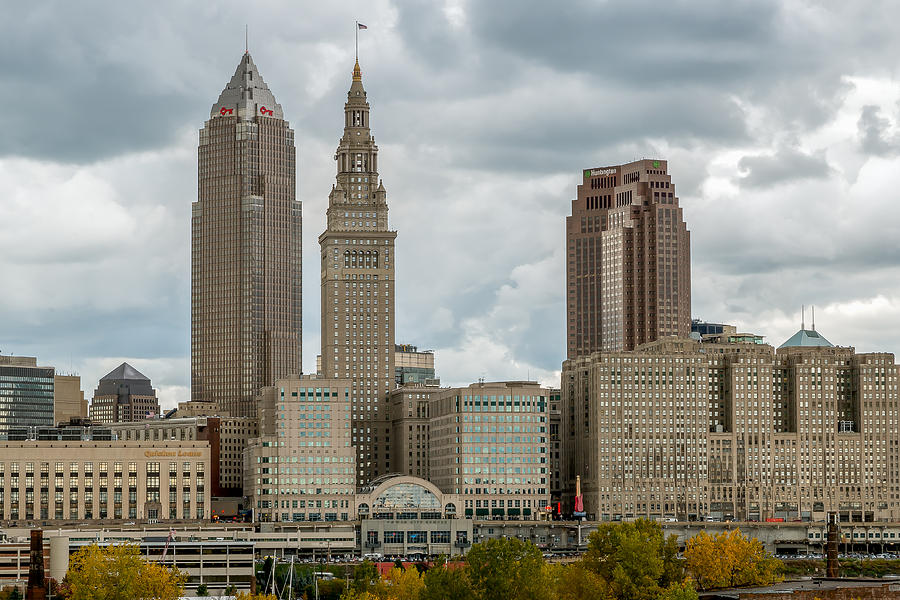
point(485, 116)
point(786, 164)
point(873, 133)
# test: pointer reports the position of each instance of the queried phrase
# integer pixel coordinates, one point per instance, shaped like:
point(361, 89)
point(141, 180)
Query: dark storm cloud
point(787, 164)
point(77, 93)
point(648, 43)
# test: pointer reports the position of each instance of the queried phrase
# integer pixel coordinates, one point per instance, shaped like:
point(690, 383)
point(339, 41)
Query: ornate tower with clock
point(358, 286)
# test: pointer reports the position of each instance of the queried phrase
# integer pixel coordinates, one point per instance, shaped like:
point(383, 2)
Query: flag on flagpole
point(361, 26)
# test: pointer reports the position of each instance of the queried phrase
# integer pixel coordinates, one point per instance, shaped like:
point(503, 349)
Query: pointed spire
point(357, 72)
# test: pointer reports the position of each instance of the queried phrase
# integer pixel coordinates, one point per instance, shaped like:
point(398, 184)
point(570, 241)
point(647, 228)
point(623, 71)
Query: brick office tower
point(358, 287)
point(628, 270)
point(245, 248)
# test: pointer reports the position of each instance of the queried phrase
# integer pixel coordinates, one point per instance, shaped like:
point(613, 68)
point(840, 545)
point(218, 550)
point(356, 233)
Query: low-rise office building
point(413, 366)
point(227, 437)
point(489, 447)
point(410, 428)
point(124, 395)
point(734, 431)
point(69, 402)
point(302, 467)
point(26, 393)
point(48, 482)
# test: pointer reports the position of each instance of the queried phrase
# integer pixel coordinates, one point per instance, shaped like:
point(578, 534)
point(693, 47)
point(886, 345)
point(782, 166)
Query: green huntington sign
point(655, 164)
point(587, 173)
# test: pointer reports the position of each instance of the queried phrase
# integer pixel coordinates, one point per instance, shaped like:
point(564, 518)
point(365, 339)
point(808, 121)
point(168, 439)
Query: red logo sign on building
point(226, 111)
point(265, 111)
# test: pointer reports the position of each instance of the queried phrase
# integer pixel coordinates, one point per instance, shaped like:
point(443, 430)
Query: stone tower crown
point(246, 96)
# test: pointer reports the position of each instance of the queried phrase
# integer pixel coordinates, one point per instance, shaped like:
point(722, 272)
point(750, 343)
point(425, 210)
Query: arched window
point(375, 259)
point(407, 496)
point(346, 258)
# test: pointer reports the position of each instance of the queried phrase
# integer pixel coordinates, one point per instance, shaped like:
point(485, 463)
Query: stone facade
point(227, 437)
point(680, 429)
point(411, 427)
point(358, 287)
point(489, 447)
point(628, 266)
point(103, 481)
point(68, 400)
point(302, 467)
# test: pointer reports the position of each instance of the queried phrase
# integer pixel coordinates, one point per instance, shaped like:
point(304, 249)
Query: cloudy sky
point(780, 121)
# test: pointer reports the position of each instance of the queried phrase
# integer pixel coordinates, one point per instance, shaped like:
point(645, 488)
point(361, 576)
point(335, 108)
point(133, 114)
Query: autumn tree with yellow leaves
point(400, 584)
point(118, 572)
point(729, 559)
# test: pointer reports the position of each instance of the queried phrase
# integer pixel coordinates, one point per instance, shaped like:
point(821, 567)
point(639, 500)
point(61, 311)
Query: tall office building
point(358, 286)
point(245, 248)
point(628, 267)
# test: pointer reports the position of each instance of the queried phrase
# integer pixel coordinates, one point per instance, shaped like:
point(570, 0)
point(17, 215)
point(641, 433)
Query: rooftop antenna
point(814, 317)
point(802, 316)
point(246, 39)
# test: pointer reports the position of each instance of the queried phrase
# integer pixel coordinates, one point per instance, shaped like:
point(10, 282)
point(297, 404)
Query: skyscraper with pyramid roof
point(245, 248)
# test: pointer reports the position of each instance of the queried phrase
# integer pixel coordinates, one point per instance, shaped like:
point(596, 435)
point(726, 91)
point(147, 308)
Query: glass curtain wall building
point(26, 393)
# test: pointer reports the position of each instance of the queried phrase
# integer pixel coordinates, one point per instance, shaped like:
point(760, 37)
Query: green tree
point(118, 572)
point(263, 576)
point(202, 590)
point(576, 582)
point(680, 591)
point(446, 583)
point(507, 569)
point(634, 559)
point(365, 575)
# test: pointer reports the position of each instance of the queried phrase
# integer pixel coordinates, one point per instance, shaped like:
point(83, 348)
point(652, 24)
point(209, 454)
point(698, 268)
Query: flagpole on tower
point(356, 32)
